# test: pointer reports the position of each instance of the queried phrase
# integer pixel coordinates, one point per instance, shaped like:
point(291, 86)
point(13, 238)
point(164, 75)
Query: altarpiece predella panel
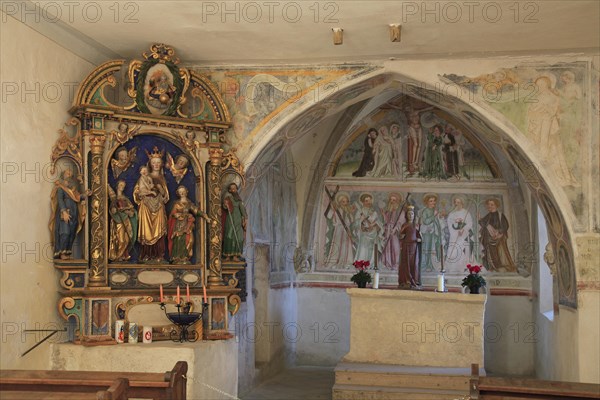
point(143, 198)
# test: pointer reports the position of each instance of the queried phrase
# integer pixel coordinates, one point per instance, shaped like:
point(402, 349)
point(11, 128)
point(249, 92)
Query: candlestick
point(204, 290)
point(376, 254)
point(178, 294)
point(161, 294)
point(440, 283)
point(187, 292)
point(442, 253)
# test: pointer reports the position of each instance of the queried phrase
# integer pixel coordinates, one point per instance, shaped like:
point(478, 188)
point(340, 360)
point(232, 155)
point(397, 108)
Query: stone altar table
point(410, 345)
point(415, 328)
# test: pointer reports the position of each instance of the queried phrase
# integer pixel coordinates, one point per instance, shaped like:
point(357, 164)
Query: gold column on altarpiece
point(97, 272)
point(215, 277)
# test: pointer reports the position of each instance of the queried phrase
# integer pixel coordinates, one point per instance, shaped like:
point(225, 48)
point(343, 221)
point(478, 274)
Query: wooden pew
point(157, 386)
point(116, 391)
point(496, 388)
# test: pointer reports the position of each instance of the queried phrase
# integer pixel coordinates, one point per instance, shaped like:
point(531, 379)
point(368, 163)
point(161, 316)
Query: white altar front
point(410, 341)
point(405, 327)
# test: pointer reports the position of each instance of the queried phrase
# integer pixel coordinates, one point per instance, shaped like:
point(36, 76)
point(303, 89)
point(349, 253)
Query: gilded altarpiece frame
point(140, 206)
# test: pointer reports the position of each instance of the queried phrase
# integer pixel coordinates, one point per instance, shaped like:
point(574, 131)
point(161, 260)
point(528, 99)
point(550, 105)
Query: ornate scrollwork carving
point(69, 307)
point(234, 303)
point(67, 145)
point(161, 52)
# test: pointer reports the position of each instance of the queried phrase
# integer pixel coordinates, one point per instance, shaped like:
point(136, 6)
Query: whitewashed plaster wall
point(43, 77)
point(325, 321)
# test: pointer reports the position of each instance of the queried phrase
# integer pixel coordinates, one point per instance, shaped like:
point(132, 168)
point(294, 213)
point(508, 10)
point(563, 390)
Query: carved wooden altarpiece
point(137, 202)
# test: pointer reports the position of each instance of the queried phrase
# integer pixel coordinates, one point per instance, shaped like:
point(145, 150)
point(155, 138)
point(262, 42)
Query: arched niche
point(501, 141)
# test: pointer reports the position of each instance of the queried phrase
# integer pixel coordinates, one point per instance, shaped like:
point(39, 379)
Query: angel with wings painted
point(178, 167)
point(123, 160)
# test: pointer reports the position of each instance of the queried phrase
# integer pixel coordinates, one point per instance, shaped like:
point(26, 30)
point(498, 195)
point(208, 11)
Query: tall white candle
point(376, 283)
point(440, 283)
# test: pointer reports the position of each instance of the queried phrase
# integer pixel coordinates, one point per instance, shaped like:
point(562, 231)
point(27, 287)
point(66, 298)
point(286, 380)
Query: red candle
point(187, 290)
point(178, 294)
point(161, 294)
point(204, 289)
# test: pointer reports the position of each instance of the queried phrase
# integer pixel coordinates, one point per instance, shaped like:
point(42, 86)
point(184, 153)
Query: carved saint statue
point(181, 227)
point(161, 90)
point(68, 214)
point(409, 274)
point(151, 194)
point(123, 224)
point(234, 225)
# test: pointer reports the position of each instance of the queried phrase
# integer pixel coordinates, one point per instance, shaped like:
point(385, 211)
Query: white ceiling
point(202, 32)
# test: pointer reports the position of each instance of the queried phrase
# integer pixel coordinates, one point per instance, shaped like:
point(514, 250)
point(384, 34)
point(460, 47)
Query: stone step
point(397, 380)
point(394, 376)
point(361, 392)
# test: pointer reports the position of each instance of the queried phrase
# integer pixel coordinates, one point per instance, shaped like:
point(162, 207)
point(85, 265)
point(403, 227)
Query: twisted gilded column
point(215, 277)
point(97, 272)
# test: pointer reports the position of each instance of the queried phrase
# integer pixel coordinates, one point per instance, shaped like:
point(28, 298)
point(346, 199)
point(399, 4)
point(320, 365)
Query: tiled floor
point(300, 383)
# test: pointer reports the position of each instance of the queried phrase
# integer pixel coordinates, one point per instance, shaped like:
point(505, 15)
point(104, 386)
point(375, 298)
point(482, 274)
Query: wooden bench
point(495, 388)
point(147, 385)
point(116, 391)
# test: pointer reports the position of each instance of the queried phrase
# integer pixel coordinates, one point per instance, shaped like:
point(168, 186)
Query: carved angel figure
point(123, 160)
point(178, 167)
point(123, 134)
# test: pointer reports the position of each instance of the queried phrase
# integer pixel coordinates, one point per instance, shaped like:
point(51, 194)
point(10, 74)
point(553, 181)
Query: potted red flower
point(362, 277)
point(473, 280)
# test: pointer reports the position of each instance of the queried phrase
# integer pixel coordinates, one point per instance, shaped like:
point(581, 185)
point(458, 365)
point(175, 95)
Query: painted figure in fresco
point(413, 145)
point(570, 115)
point(460, 143)
point(460, 243)
point(123, 224)
point(393, 218)
point(543, 127)
point(234, 225)
point(123, 160)
point(431, 232)
point(151, 198)
point(450, 154)
point(181, 227)
point(368, 160)
point(383, 154)
point(340, 216)
point(542, 114)
point(409, 273)
point(178, 167)
point(397, 150)
point(433, 164)
point(494, 234)
point(369, 229)
point(68, 214)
